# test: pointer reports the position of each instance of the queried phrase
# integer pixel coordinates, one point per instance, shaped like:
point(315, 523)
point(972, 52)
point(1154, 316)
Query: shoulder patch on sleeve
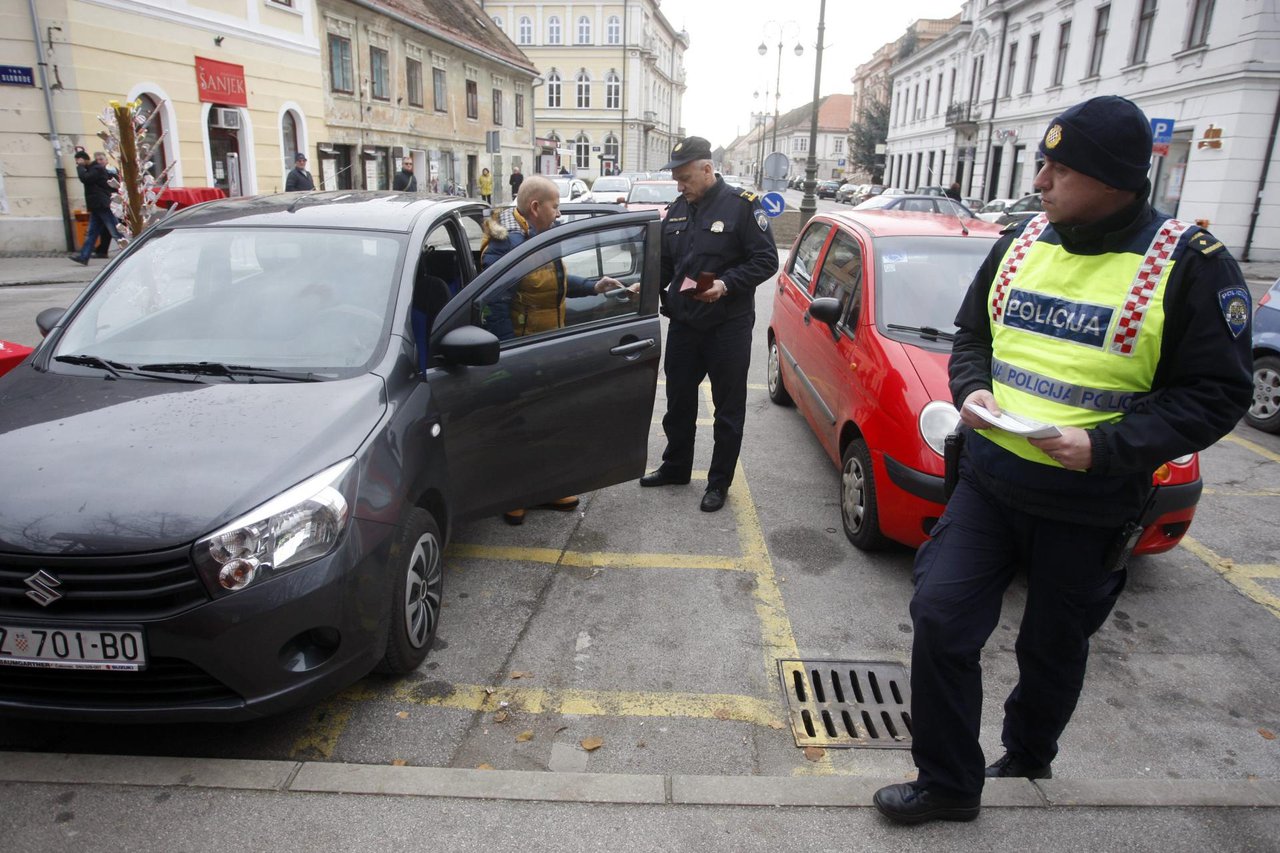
point(1235, 308)
point(748, 195)
point(1205, 243)
point(762, 220)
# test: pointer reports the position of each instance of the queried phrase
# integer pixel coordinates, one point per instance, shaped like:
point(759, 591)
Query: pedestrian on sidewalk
point(299, 179)
point(717, 246)
point(405, 180)
point(99, 186)
point(1134, 331)
point(486, 186)
point(515, 180)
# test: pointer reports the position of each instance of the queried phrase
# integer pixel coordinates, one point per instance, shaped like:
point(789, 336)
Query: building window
point(1142, 36)
point(613, 30)
point(553, 30)
point(612, 91)
point(926, 96)
point(1060, 61)
point(497, 106)
point(1201, 13)
point(800, 144)
point(1100, 24)
point(340, 64)
point(584, 30)
point(525, 33)
point(837, 145)
point(439, 90)
point(1012, 68)
point(584, 90)
point(473, 100)
point(582, 152)
point(553, 89)
point(380, 72)
point(1033, 56)
point(154, 130)
point(497, 21)
point(413, 81)
point(611, 148)
point(975, 84)
point(519, 110)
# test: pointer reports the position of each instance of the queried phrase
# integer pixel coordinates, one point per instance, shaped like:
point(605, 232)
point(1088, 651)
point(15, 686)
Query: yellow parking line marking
point(1241, 577)
point(595, 559)
point(591, 703)
point(320, 736)
point(1256, 448)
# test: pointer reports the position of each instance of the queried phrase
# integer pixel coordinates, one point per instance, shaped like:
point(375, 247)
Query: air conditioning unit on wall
point(226, 119)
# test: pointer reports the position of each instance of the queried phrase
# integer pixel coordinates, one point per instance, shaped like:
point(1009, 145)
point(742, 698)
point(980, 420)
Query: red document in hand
point(701, 284)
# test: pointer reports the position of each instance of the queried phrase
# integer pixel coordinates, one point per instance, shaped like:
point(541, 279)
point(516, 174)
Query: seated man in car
point(536, 303)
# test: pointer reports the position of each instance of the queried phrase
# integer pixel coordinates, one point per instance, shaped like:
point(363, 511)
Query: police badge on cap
point(687, 150)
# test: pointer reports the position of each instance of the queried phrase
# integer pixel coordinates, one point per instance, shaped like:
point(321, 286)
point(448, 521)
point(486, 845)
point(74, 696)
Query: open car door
point(567, 406)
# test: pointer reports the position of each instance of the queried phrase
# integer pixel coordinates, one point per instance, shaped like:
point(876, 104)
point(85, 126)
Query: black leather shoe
point(1010, 766)
point(712, 500)
point(662, 478)
point(905, 803)
point(84, 262)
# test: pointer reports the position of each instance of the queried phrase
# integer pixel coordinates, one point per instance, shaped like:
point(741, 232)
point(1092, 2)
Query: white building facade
point(613, 82)
point(971, 106)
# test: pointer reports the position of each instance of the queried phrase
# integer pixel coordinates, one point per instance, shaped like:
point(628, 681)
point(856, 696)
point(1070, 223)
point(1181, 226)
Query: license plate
point(72, 648)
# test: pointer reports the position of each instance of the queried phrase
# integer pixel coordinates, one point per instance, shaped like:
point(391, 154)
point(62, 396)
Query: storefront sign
point(221, 82)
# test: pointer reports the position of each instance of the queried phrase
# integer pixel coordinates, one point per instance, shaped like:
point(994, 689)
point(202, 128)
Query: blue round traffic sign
point(773, 204)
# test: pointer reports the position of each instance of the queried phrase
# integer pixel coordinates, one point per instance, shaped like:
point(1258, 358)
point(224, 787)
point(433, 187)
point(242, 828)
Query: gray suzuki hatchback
point(231, 467)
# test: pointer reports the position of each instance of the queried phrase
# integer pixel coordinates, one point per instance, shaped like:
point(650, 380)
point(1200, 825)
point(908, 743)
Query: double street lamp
point(781, 30)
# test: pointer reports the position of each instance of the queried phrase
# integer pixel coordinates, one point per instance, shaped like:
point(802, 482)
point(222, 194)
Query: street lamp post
point(809, 204)
point(777, 84)
point(533, 118)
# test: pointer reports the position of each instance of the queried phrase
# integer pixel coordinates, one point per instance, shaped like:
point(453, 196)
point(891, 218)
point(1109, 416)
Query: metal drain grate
point(845, 704)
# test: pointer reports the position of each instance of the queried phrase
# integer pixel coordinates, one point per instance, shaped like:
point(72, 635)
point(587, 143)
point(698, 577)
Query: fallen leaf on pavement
point(485, 766)
point(591, 744)
point(720, 713)
point(814, 753)
point(562, 728)
point(404, 715)
point(1267, 733)
point(519, 674)
point(525, 735)
point(500, 717)
point(398, 762)
point(777, 725)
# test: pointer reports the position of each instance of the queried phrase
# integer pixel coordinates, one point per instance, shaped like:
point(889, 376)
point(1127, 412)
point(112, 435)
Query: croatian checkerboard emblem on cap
point(1235, 309)
point(1053, 137)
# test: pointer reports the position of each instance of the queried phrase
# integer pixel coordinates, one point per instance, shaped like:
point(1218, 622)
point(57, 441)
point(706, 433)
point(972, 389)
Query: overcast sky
point(724, 66)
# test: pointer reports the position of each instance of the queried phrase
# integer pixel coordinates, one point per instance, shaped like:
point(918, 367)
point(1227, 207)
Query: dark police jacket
point(725, 233)
point(1202, 386)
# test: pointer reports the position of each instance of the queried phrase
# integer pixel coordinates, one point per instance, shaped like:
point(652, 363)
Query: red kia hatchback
point(859, 339)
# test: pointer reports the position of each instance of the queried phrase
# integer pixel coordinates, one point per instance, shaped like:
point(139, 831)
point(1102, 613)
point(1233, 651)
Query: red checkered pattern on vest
point(1145, 284)
point(1014, 261)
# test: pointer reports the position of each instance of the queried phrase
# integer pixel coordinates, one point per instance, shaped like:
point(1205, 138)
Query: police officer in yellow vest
point(1130, 332)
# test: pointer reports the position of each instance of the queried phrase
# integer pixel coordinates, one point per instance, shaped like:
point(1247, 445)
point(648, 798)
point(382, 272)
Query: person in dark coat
point(405, 180)
point(515, 180)
point(99, 186)
point(299, 179)
point(717, 247)
point(953, 191)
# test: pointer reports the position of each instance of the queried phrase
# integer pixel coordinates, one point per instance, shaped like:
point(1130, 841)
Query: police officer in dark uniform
point(1127, 330)
point(716, 248)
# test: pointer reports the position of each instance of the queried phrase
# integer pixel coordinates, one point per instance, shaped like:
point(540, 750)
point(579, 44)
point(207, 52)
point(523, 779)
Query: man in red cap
point(1128, 332)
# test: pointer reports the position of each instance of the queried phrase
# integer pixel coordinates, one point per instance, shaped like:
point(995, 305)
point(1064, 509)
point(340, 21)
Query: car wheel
point(777, 391)
point(416, 593)
point(1264, 414)
point(858, 508)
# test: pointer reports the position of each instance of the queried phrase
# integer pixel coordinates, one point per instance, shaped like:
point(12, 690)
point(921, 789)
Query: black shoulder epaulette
point(748, 195)
point(1205, 243)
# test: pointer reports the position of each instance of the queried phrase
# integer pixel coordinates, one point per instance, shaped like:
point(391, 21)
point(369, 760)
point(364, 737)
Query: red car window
point(804, 260)
point(841, 273)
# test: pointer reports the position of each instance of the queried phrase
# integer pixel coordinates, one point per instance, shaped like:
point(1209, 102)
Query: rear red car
point(860, 338)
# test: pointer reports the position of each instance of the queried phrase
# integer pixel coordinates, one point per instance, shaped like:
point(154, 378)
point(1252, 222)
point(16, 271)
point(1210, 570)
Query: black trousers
point(722, 352)
point(961, 575)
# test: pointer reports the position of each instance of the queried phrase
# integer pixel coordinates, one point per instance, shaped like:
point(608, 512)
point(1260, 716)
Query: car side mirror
point(469, 345)
point(826, 309)
point(47, 319)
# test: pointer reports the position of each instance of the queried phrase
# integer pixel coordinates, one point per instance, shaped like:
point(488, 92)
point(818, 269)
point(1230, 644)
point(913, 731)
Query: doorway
point(224, 154)
point(473, 165)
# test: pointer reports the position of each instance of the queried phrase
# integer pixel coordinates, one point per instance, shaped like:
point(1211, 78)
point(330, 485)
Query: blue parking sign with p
point(1162, 130)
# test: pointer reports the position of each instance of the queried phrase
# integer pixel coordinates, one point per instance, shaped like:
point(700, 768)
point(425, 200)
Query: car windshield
point(921, 281)
point(610, 185)
point(653, 194)
point(287, 299)
point(995, 206)
point(874, 203)
point(564, 185)
point(1025, 204)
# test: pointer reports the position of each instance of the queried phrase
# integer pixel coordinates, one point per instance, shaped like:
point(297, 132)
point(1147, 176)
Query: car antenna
point(959, 219)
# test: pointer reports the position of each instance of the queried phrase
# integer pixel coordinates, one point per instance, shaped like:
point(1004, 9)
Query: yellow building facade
point(236, 85)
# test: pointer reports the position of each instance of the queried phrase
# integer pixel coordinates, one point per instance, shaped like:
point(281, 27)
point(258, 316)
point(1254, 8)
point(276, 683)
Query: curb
point(633, 789)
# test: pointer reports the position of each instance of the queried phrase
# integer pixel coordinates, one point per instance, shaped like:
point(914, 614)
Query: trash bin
point(81, 218)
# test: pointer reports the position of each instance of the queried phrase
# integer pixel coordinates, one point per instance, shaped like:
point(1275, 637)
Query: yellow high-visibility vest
point(1076, 338)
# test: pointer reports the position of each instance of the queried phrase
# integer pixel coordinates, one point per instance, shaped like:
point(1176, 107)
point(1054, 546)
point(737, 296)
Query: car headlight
point(295, 527)
point(937, 421)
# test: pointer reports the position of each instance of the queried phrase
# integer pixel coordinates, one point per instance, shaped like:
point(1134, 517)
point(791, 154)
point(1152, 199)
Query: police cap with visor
point(687, 150)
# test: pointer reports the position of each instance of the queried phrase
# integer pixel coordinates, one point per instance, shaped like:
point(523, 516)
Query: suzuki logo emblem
point(44, 588)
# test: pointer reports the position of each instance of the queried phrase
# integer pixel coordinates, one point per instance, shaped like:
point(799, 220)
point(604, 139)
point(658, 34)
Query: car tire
point(858, 507)
point(417, 589)
point(777, 391)
point(1264, 412)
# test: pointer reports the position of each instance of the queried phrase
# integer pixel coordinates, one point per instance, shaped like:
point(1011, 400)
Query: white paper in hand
point(1014, 424)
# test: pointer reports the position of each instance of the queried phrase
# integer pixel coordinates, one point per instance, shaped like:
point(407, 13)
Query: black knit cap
point(1108, 138)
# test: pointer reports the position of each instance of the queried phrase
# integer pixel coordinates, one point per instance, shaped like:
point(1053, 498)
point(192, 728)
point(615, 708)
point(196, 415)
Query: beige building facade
point(235, 85)
point(612, 82)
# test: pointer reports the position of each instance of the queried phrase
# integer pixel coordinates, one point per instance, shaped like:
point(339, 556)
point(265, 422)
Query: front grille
point(165, 682)
point(123, 587)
